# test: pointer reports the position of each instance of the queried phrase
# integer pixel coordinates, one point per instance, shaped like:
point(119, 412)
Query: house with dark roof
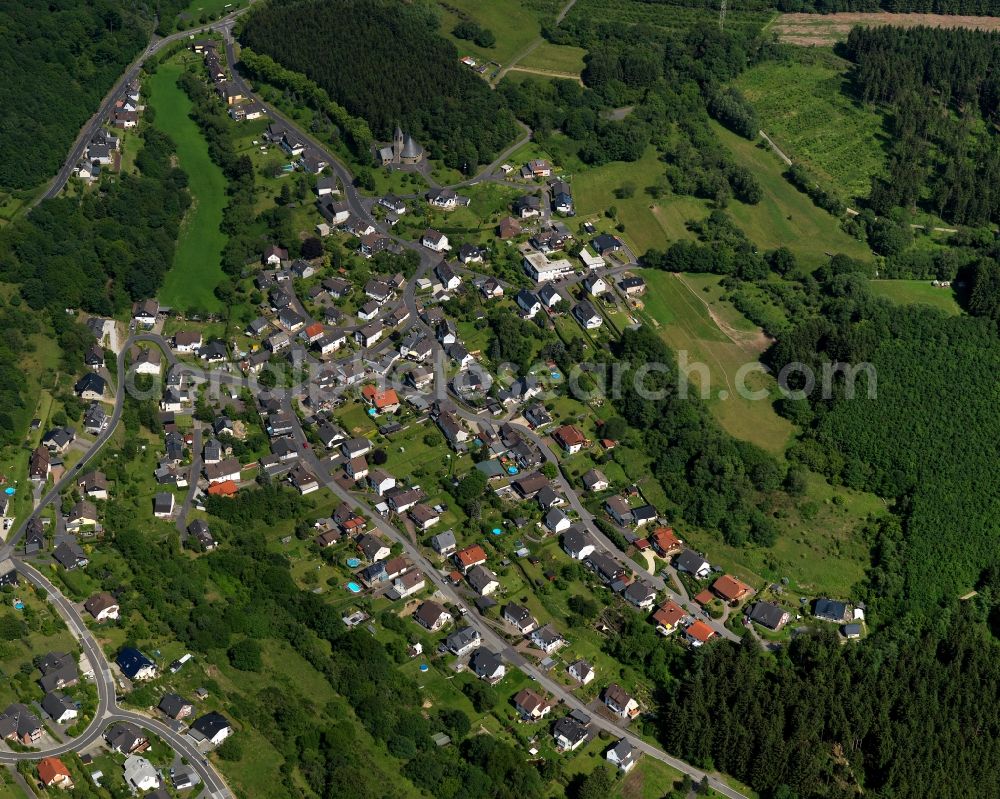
point(90, 387)
point(830, 610)
point(213, 728)
point(520, 617)
point(691, 562)
point(70, 556)
point(135, 665)
point(58, 671)
point(431, 616)
point(769, 615)
point(126, 738)
point(487, 666)
point(175, 706)
point(569, 734)
point(577, 543)
point(463, 641)
point(18, 723)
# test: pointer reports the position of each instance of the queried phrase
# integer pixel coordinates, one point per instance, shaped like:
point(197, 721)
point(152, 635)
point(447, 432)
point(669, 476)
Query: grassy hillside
point(197, 267)
point(803, 108)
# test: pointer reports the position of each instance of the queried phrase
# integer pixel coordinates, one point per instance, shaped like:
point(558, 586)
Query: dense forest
point(906, 714)
point(387, 63)
point(59, 59)
point(939, 86)
point(101, 252)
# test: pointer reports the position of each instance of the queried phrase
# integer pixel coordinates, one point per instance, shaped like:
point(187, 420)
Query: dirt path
point(530, 49)
point(549, 73)
point(754, 342)
point(781, 155)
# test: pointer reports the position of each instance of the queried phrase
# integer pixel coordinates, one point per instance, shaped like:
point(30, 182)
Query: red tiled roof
point(705, 597)
point(700, 631)
point(730, 589)
point(224, 489)
point(669, 614)
point(471, 555)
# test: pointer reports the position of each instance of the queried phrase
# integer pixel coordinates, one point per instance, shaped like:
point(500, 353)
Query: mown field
point(196, 269)
point(819, 548)
point(825, 29)
point(784, 216)
point(917, 292)
point(804, 108)
point(555, 58)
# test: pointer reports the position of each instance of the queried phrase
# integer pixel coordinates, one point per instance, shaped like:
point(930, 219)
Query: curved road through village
point(108, 710)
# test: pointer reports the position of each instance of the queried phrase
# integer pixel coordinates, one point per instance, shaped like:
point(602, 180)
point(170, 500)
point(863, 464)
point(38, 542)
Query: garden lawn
point(197, 267)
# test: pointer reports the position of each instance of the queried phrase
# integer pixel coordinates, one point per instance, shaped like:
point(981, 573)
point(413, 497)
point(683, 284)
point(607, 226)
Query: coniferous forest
point(385, 62)
point(58, 60)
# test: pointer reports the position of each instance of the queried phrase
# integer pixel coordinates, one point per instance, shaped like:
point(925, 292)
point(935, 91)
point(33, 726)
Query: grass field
point(803, 107)
point(916, 292)
point(819, 548)
point(515, 24)
point(785, 216)
point(555, 58)
point(197, 268)
point(682, 316)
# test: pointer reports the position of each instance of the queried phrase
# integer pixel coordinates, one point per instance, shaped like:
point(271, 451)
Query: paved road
point(192, 479)
point(97, 121)
point(107, 710)
point(490, 637)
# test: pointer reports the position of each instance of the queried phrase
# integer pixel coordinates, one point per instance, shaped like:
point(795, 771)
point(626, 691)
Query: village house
point(102, 606)
point(769, 615)
point(473, 555)
point(668, 617)
point(691, 562)
point(569, 734)
point(482, 580)
point(620, 702)
point(433, 240)
point(581, 671)
point(730, 589)
point(623, 755)
point(520, 617)
point(530, 705)
point(463, 641)
point(431, 616)
point(487, 666)
point(52, 773)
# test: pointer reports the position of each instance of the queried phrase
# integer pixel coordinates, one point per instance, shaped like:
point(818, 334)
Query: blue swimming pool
point(424, 667)
point(556, 375)
point(10, 491)
point(353, 587)
point(353, 563)
point(497, 531)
